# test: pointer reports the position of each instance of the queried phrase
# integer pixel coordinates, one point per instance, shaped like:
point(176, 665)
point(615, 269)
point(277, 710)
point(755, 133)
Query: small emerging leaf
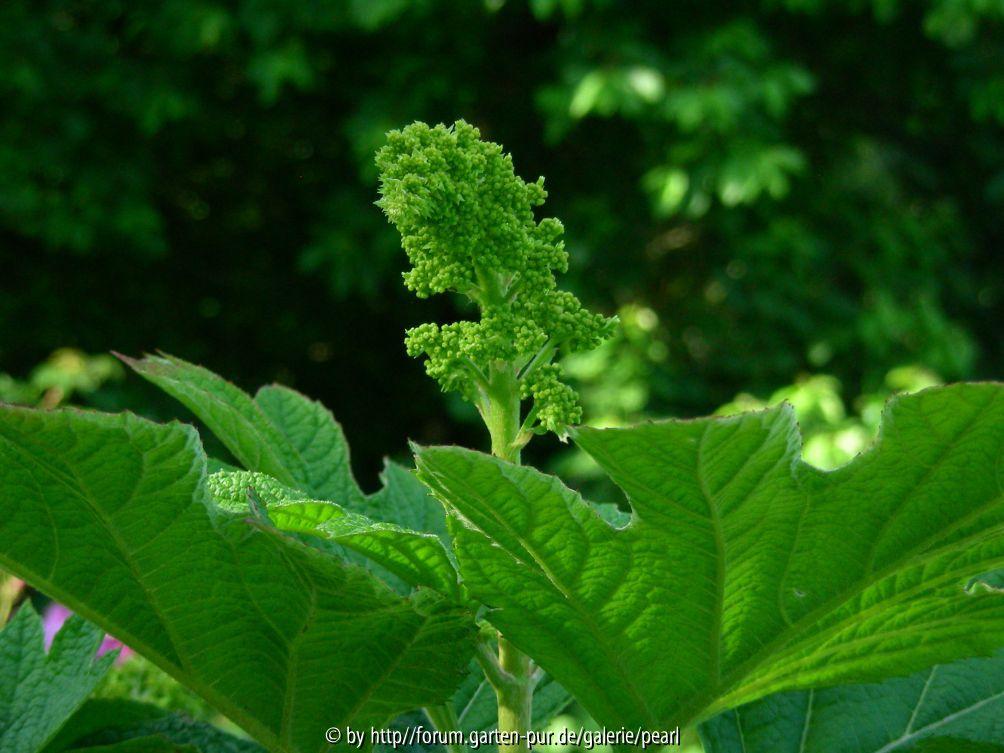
point(419, 559)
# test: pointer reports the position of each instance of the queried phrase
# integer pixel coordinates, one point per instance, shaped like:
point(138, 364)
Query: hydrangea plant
point(467, 224)
point(488, 594)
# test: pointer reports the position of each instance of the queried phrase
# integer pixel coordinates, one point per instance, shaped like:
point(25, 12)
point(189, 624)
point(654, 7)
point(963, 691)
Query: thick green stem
point(515, 701)
point(501, 413)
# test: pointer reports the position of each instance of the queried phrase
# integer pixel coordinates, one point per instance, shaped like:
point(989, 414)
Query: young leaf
point(110, 514)
point(419, 559)
point(963, 700)
point(743, 572)
point(279, 432)
point(38, 692)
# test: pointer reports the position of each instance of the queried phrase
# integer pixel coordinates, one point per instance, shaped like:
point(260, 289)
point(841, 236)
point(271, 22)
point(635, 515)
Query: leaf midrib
point(907, 594)
point(715, 637)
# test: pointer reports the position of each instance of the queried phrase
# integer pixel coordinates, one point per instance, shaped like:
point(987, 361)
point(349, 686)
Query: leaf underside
point(962, 701)
point(743, 571)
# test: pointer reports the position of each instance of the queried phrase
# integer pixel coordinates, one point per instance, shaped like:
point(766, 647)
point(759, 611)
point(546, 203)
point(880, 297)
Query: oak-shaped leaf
point(743, 571)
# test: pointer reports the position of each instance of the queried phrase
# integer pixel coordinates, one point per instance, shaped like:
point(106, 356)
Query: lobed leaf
point(39, 691)
point(279, 431)
point(295, 440)
point(110, 514)
point(743, 572)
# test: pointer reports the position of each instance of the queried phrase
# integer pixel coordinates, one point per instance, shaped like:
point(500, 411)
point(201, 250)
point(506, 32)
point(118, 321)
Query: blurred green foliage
point(832, 435)
point(139, 680)
point(66, 374)
point(769, 188)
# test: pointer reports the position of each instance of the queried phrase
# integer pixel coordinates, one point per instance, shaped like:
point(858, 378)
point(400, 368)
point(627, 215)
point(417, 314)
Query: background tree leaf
point(743, 571)
point(110, 514)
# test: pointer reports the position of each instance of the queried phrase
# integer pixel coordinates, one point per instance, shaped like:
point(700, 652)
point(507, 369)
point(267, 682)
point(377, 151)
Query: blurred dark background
point(763, 191)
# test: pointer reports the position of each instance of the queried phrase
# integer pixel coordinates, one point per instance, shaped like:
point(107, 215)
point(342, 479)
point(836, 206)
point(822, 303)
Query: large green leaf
point(172, 728)
point(293, 439)
point(963, 700)
point(98, 714)
point(957, 745)
point(404, 500)
point(111, 515)
point(279, 431)
point(121, 724)
point(743, 571)
point(39, 691)
point(150, 744)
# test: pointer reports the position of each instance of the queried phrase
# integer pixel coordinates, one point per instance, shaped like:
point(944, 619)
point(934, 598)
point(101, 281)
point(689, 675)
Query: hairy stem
point(515, 702)
point(489, 662)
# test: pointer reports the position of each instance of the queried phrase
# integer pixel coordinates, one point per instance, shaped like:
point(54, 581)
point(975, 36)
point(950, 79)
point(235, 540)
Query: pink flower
point(52, 621)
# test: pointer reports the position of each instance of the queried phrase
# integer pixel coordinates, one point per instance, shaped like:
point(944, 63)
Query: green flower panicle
point(467, 225)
